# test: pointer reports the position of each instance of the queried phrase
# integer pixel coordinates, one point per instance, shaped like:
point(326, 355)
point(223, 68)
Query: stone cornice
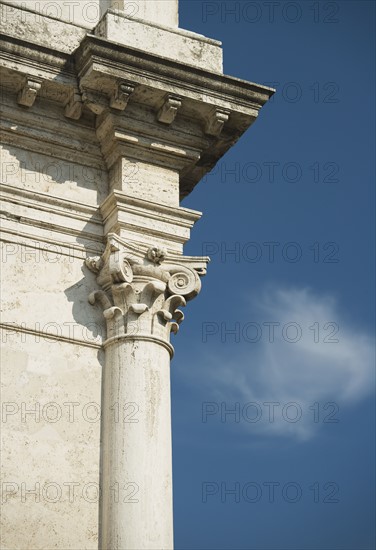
point(146, 140)
point(32, 57)
point(46, 202)
point(144, 221)
point(27, 217)
point(166, 74)
point(170, 216)
point(47, 241)
point(185, 217)
point(99, 58)
point(231, 105)
point(34, 130)
point(219, 108)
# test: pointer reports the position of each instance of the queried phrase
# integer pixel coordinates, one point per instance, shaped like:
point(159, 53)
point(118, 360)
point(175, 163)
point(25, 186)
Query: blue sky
point(282, 332)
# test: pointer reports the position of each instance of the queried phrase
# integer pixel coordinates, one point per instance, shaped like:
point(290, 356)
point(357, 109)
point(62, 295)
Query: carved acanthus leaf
point(147, 294)
point(101, 297)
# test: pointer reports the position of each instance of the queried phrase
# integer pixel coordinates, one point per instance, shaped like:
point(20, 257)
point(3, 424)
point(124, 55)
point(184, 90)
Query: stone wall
point(51, 337)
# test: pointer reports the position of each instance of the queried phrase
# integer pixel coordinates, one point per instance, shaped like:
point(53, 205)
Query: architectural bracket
point(120, 97)
point(167, 113)
point(96, 102)
point(29, 92)
point(74, 107)
point(216, 122)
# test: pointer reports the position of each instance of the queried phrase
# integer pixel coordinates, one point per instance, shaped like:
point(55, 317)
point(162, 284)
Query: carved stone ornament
point(95, 101)
point(29, 92)
point(120, 97)
point(216, 122)
point(74, 106)
point(141, 295)
point(169, 109)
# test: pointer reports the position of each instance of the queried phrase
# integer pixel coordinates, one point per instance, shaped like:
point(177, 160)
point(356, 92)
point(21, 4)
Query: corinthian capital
point(142, 290)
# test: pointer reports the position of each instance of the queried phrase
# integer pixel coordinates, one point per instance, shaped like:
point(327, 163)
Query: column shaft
point(136, 511)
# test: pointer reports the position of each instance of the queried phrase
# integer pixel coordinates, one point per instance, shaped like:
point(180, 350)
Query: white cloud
point(331, 362)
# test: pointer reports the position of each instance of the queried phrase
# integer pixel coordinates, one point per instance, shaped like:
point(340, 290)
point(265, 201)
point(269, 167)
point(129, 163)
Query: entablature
point(164, 110)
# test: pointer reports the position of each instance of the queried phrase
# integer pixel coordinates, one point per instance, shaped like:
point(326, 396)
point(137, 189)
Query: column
point(141, 300)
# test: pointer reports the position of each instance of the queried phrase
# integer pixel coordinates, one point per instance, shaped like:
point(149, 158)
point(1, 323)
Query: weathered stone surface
point(176, 44)
point(107, 122)
point(87, 13)
point(50, 433)
point(141, 295)
point(188, 143)
point(37, 27)
point(164, 12)
point(148, 223)
point(51, 388)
